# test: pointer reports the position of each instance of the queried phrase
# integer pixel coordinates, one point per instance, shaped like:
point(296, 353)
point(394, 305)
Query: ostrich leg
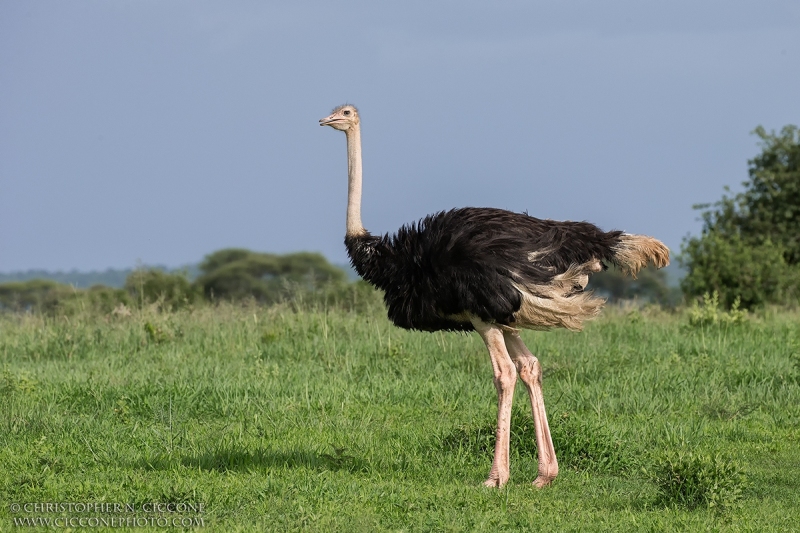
point(530, 371)
point(505, 378)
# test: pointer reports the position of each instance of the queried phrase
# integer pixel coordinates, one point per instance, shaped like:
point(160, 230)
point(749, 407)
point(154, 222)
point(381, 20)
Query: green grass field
point(278, 419)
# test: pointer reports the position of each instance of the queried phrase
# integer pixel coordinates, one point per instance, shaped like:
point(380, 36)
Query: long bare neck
point(354, 226)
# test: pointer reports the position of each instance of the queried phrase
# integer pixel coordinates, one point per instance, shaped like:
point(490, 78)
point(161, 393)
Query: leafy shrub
point(756, 274)
point(693, 480)
point(10, 383)
point(160, 333)
point(710, 314)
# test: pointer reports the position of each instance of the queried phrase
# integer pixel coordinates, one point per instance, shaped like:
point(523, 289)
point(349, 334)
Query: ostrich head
point(342, 118)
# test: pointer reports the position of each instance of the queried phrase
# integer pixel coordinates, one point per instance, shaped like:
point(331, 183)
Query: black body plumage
point(452, 264)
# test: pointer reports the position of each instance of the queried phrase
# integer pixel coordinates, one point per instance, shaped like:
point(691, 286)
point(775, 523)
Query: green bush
point(710, 314)
point(696, 480)
point(756, 274)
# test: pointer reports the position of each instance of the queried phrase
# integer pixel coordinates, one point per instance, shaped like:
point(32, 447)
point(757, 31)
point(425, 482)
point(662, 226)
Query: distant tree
point(649, 286)
point(101, 298)
point(750, 242)
point(171, 289)
point(236, 274)
point(32, 295)
point(224, 257)
point(50, 297)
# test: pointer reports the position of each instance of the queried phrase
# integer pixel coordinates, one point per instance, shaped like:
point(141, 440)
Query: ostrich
point(494, 272)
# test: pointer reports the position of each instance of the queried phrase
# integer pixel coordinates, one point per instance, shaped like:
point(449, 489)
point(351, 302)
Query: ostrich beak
point(327, 121)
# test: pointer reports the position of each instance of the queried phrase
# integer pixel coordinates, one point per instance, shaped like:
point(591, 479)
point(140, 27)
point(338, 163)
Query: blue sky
point(158, 132)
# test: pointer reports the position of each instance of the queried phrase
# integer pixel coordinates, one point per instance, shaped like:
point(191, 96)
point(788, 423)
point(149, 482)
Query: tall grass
point(307, 416)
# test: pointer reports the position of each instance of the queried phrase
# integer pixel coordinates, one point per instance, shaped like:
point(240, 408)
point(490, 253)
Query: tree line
point(232, 274)
point(747, 254)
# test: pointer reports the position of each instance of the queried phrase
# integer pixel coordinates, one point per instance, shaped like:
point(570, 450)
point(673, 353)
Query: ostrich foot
point(546, 475)
point(498, 475)
point(496, 481)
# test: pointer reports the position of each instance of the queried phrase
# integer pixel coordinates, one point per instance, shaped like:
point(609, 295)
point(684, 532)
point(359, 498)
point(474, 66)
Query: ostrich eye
point(346, 113)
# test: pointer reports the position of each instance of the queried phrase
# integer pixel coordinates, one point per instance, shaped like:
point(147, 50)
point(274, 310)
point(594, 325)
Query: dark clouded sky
point(160, 131)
